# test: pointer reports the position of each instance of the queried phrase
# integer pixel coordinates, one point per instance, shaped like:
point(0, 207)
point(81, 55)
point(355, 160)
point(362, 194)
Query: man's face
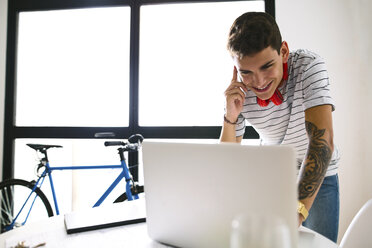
point(263, 72)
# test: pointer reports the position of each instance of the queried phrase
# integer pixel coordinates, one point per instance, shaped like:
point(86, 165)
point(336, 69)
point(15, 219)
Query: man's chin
point(264, 97)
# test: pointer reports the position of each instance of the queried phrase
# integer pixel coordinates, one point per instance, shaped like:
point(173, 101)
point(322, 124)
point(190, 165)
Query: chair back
point(359, 232)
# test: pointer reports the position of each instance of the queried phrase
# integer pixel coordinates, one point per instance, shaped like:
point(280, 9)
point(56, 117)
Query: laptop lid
point(194, 191)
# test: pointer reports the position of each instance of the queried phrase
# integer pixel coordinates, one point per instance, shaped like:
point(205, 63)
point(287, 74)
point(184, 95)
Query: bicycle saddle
point(39, 147)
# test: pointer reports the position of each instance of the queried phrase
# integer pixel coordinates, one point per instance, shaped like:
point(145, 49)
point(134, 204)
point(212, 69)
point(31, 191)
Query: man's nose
point(258, 80)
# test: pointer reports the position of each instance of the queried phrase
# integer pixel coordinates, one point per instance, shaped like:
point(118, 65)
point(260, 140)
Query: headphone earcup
point(277, 98)
point(262, 103)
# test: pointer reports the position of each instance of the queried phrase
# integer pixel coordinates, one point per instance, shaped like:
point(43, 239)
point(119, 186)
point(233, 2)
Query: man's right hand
point(235, 96)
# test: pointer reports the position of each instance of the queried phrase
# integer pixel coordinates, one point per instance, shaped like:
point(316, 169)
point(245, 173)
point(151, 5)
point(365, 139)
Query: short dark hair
point(252, 32)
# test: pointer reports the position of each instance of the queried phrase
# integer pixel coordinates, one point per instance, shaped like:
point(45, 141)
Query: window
point(78, 68)
point(184, 65)
point(73, 68)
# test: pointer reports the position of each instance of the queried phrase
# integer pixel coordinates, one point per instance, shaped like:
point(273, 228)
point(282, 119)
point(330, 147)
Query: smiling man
point(285, 96)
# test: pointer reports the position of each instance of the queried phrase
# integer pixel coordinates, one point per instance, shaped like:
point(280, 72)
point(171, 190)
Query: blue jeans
point(324, 214)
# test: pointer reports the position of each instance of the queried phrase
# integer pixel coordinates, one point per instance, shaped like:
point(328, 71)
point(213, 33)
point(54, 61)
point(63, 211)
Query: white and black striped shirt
point(307, 86)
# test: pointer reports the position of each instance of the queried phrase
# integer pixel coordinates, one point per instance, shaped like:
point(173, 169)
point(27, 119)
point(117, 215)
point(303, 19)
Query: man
point(285, 96)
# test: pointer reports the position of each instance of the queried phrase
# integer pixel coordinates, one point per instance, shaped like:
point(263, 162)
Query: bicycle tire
point(123, 197)
point(20, 189)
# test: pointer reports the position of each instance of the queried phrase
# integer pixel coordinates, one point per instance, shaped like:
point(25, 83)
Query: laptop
point(194, 191)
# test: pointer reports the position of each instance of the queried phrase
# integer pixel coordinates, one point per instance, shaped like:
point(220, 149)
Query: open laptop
point(194, 191)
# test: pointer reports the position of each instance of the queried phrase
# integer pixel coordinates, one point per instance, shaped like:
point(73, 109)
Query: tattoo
point(316, 161)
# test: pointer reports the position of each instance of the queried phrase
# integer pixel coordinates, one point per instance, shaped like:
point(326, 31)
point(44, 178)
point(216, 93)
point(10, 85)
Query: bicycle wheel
point(123, 197)
point(13, 194)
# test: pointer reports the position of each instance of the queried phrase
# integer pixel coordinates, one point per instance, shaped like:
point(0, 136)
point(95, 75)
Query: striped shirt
point(307, 86)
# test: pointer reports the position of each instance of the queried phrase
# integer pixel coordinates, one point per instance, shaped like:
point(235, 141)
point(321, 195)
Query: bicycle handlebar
point(115, 143)
point(134, 142)
point(125, 146)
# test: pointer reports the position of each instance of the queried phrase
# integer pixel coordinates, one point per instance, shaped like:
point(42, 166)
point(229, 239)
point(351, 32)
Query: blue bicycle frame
point(48, 172)
point(123, 174)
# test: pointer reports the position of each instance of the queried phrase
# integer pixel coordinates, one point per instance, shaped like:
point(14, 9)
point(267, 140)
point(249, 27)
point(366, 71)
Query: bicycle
point(15, 212)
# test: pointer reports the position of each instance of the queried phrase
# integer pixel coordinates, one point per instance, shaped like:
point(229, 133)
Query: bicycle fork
point(127, 176)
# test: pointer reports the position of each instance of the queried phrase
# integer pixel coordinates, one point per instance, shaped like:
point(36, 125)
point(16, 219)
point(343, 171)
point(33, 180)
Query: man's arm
point(228, 133)
point(318, 121)
point(235, 98)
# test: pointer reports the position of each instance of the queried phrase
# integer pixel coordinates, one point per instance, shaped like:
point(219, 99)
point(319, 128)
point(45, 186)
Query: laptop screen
point(194, 191)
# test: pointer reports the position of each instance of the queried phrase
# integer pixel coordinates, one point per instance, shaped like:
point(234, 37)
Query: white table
point(310, 239)
point(52, 231)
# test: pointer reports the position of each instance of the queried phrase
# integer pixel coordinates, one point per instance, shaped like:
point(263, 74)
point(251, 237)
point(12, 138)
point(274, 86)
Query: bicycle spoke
point(7, 215)
point(10, 203)
point(3, 200)
point(6, 206)
point(19, 202)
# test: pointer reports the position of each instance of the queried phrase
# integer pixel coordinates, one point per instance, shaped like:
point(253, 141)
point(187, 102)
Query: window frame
point(12, 132)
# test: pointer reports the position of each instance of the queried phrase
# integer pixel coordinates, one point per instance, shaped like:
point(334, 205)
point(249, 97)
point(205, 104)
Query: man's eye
point(267, 66)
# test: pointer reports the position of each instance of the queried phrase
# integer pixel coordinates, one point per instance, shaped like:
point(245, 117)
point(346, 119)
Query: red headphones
point(277, 97)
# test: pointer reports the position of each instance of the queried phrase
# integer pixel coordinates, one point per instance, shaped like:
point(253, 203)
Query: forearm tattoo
point(316, 161)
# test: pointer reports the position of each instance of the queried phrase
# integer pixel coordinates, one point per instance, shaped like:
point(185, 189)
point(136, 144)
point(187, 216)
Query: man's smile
point(264, 89)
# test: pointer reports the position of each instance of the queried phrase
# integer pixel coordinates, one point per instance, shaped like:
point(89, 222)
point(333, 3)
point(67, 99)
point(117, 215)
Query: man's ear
point(284, 52)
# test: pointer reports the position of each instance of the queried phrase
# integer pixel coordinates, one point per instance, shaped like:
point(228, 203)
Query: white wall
point(3, 23)
point(339, 30)
point(362, 20)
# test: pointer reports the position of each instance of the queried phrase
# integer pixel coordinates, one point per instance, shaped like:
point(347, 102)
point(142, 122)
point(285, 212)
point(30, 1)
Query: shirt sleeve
point(315, 85)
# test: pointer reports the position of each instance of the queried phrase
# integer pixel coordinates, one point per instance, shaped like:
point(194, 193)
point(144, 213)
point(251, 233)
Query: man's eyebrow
point(244, 71)
point(267, 64)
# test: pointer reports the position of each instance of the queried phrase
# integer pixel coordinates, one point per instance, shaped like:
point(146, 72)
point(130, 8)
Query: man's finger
point(236, 98)
point(235, 75)
point(235, 91)
point(237, 85)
